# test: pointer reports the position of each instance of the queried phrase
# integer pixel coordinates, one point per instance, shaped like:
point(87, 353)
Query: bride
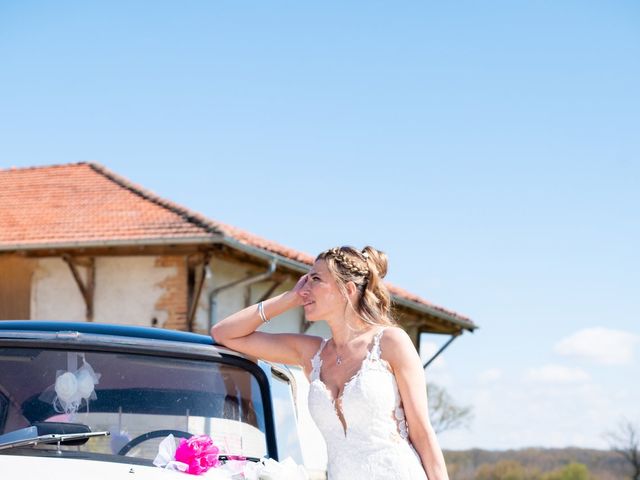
point(367, 389)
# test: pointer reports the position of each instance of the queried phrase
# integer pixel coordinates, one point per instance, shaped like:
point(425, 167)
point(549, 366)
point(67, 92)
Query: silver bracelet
point(261, 312)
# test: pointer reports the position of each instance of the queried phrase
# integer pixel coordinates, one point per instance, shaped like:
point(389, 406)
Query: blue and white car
point(86, 400)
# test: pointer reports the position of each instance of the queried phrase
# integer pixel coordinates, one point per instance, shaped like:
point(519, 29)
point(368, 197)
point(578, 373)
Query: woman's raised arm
point(238, 331)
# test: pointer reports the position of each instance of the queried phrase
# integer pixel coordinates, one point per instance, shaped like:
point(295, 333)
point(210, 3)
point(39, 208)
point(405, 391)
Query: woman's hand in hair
point(296, 291)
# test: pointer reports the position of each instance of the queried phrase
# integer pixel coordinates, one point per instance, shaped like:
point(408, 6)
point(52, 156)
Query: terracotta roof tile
point(81, 202)
point(86, 203)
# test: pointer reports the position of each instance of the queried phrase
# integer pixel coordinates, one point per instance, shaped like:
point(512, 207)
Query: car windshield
point(138, 398)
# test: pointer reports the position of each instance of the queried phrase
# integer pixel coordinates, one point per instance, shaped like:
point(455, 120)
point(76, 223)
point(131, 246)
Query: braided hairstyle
point(365, 269)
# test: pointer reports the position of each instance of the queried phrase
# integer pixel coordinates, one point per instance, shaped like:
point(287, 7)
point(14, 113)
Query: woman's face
point(322, 299)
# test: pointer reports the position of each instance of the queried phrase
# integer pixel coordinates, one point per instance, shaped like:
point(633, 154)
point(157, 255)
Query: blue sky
point(490, 148)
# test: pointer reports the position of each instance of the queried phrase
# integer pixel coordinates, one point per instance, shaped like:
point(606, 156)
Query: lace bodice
point(373, 440)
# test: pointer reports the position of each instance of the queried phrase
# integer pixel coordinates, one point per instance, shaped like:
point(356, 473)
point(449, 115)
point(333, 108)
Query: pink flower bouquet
point(199, 453)
point(195, 455)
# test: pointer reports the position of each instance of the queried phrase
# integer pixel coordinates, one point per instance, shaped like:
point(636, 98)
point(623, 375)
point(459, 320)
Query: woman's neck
point(345, 330)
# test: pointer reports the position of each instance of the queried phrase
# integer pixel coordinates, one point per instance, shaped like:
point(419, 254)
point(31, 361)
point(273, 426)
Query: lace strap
point(375, 350)
point(316, 361)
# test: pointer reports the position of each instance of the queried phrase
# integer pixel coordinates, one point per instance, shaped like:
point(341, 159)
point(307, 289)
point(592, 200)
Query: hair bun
point(377, 259)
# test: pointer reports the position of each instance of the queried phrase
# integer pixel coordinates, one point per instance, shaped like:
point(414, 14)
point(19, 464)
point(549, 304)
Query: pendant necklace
point(338, 356)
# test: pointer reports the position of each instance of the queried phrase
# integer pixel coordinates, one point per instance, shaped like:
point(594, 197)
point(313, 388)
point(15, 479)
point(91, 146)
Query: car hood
point(37, 468)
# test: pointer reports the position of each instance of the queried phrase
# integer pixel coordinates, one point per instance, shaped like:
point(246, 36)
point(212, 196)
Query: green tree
point(503, 470)
point(573, 471)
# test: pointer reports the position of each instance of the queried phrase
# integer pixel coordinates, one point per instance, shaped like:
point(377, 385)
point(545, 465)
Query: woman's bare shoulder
point(396, 345)
point(394, 337)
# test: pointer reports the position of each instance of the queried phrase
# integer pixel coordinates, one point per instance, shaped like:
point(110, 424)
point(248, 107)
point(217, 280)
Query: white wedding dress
point(375, 444)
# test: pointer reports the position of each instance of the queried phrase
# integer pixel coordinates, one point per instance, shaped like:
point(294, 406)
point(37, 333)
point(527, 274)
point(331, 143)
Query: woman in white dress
point(367, 389)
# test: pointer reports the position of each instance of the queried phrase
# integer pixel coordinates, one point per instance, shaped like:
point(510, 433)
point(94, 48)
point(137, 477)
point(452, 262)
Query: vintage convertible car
point(86, 400)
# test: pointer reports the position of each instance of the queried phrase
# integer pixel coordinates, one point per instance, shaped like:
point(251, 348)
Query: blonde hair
point(365, 268)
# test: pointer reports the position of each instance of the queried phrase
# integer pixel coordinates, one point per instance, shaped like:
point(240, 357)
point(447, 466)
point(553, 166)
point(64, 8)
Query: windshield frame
point(81, 342)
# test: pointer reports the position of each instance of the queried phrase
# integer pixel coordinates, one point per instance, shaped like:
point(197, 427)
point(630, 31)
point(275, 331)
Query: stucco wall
point(54, 294)
point(126, 291)
point(134, 290)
